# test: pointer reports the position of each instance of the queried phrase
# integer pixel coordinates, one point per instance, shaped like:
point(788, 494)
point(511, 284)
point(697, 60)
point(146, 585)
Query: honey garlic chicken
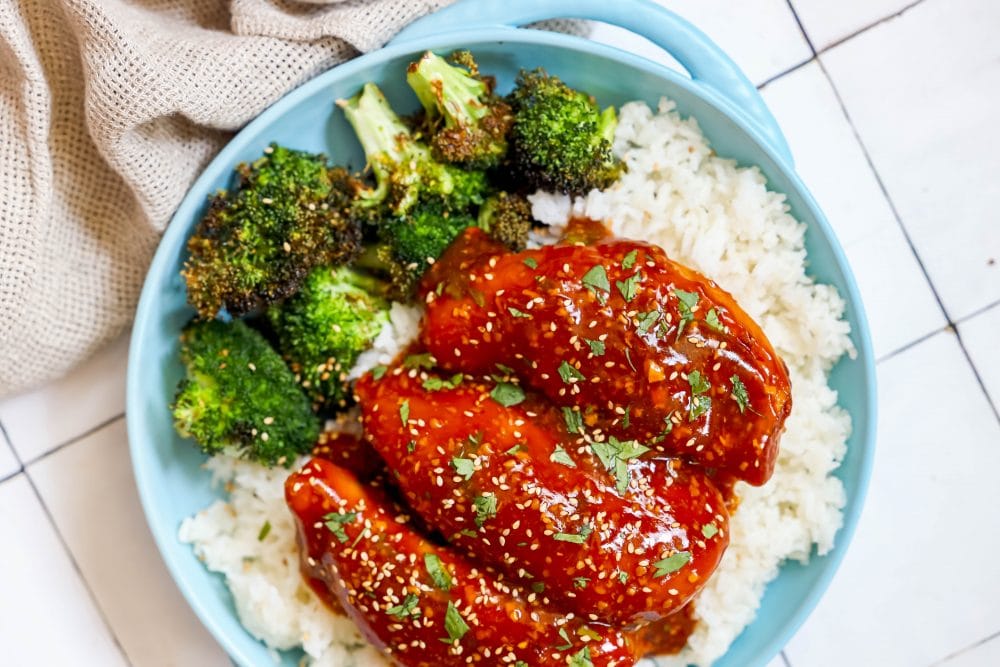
point(640, 346)
point(597, 530)
point(421, 604)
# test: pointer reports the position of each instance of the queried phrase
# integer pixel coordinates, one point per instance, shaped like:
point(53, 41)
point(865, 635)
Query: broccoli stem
point(447, 90)
point(377, 126)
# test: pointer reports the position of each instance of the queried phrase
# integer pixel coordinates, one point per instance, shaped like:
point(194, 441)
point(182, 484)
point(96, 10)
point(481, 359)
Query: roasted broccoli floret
point(420, 204)
point(467, 123)
point(258, 242)
point(406, 172)
point(560, 139)
point(507, 218)
point(238, 393)
point(325, 327)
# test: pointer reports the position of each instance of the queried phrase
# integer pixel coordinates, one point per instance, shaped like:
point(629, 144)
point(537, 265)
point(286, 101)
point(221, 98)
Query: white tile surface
point(920, 581)
point(92, 479)
point(826, 21)
point(986, 654)
point(924, 91)
point(760, 35)
point(898, 299)
point(8, 463)
point(90, 395)
point(46, 615)
point(981, 335)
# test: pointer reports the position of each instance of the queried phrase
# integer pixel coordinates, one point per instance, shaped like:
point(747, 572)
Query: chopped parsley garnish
point(615, 455)
point(530, 262)
point(335, 523)
point(569, 374)
point(700, 401)
point(686, 303)
point(265, 530)
point(647, 320)
point(507, 370)
point(514, 450)
point(668, 426)
point(454, 625)
point(713, 322)
point(468, 532)
point(379, 371)
point(627, 417)
point(464, 467)
point(629, 286)
point(518, 313)
point(507, 394)
point(406, 609)
point(521, 663)
point(410, 446)
point(740, 393)
point(629, 260)
point(486, 508)
point(596, 347)
point(560, 455)
point(404, 412)
point(537, 586)
point(709, 530)
point(597, 279)
point(565, 636)
point(573, 419)
point(437, 384)
point(623, 577)
point(671, 563)
point(437, 572)
point(581, 658)
point(581, 582)
point(425, 360)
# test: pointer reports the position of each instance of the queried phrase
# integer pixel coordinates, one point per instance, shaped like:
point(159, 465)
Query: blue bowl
point(730, 112)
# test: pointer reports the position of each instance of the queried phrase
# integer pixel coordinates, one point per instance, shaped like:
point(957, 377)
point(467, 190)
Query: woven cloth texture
point(108, 111)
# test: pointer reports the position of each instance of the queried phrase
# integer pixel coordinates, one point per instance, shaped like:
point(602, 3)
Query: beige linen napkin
point(108, 111)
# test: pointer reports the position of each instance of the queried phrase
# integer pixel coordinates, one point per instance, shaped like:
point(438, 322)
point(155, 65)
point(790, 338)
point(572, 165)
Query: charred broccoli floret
point(507, 218)
point(237, 392)
point(406, 172)
point(325, 327)
point(419, 204)
point(467, 123)
point(258, 242)
point(560, 139)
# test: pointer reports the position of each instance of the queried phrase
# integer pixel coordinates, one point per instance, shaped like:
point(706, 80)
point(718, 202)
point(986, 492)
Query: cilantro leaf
point(647, 320)
point(560, 455)
point(404, 412)
point(507, 394)
point(597, 279)
point(454, 624)
point(700, 402)
point(581, 582)
point(569, 374)
point(335, 523)
point(740, 393)
point(565, 636)
point(573, 419)
point(531, 262)
point(464, 467)
point(596, 347)
point(709, 530)
point(424, 360)
point(671, 563)
point(406, 609)
point(615, 455)
point(437, 572)
point(628, 287)
point(581, 658)
point(686, 302)
point(433, 383)
point(713, 321)
point(379, 371)
point(486, 508)
point(518, 313)
point(629, 260)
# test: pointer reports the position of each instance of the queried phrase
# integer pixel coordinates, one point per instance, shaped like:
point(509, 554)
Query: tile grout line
point(784, 658)
point(76, 568)
point(17, 457)
point(970, 647)
point(785, 72)
point(802, 28)
point(978, 312)
point(866, 28)
point(906, 234)
point(75, 439)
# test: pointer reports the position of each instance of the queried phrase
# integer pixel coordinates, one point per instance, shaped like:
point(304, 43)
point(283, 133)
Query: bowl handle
point(700, 56)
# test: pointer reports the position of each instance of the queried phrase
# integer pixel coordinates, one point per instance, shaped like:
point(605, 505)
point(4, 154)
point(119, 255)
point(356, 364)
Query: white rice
point(706, 213)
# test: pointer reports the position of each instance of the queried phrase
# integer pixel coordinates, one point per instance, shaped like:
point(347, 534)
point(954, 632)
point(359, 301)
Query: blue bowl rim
point(177, 231)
